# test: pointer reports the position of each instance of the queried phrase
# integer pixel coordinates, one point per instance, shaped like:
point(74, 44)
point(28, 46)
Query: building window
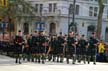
point(36, 7)
point(55, 7)
point(26, 28)
point(107, 13)
point(95, 11)
point(96, 0)
point(50, 7)
point(71, 9)
point(90, 29)
point(90, 11)
point(105, 1)
point(77, 9)
point(41, 7)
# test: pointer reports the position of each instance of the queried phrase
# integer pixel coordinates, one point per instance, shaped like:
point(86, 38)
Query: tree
point(99, 22)
point(15, 9)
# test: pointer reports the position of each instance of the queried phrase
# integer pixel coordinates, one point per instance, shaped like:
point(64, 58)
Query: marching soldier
point(29, 42)
point(92, 49)
point(71, 45)
point(42, 46)
point(26, 51)
point(61, 45)
point(53, 45)
point(50, 49)
point(35, 44)
point(83, 47)
point(19, 41)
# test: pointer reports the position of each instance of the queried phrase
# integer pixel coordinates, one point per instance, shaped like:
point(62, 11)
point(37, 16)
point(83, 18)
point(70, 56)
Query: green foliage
point(13, 9)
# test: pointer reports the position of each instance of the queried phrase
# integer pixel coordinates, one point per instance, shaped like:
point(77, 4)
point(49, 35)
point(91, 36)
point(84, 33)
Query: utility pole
point(74, 10)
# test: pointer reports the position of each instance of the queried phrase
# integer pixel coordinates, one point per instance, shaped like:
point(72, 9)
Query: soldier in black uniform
point(92, 49)
point(35, 44)
point(50, 49)
point(71, 46)
point(60, 49)
point(19, 41)
point(29, 42)
point(42, 46)
point(83, 49)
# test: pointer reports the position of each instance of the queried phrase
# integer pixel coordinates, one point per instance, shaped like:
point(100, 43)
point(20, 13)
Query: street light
point(74, 10)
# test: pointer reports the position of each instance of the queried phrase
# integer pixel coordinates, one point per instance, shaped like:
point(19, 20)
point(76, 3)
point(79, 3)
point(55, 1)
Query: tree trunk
point(99, 22)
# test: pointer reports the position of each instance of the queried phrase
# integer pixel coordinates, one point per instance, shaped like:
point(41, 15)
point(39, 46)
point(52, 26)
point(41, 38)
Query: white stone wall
point(61, 16)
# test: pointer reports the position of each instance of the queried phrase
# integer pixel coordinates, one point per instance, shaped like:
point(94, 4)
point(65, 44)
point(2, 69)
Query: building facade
point(54, 16)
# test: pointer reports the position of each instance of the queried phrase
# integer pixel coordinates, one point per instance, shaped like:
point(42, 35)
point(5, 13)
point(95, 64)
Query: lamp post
point(74, 9)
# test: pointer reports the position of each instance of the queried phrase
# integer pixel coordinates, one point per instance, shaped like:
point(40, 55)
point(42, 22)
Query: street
point(7, 64)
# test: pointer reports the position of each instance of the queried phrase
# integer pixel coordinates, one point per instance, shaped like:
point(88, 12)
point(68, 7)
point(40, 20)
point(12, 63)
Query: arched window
point(26, 28)
point(11, 27)
point(90, 29)
point(52, 29)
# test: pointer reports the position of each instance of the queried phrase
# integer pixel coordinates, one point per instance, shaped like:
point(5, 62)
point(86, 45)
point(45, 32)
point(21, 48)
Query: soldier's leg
point(58, 57)
point(24, 56)
point(54, 57)
point(20, 56)
point(88, 59)
point(43, 58)
point(84, 55)
point(28, 57)
point(61, 58)
point(79, 58)
point(16, 58)
point(49, 57)
point(68, 53)
point(74, 58)
point(38, 58)
point(84, 59)
point(74, 55)
point(94, 59)
point(67, 58)
point(62, 54)
point(33, 57)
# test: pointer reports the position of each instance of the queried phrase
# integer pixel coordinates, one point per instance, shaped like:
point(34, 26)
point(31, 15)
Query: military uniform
point(92, 49)
point(19, 41)
point(60, 49)
point(29, 42)
point(52, 51)
point(71, 42)
point(82, 50)
point(42, 47)
point(35, 49)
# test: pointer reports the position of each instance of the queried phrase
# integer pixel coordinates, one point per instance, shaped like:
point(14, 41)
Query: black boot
point(16, 61)
point(43, 59)
point(38, 59)
point(61, 59)
point(74, 59)
point(54, 58)
point(67, 59)
point(94, 60)
point(49, 57)
point(88, 59)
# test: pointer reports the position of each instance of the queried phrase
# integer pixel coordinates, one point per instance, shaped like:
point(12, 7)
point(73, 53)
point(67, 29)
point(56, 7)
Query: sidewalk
point(7, 64)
